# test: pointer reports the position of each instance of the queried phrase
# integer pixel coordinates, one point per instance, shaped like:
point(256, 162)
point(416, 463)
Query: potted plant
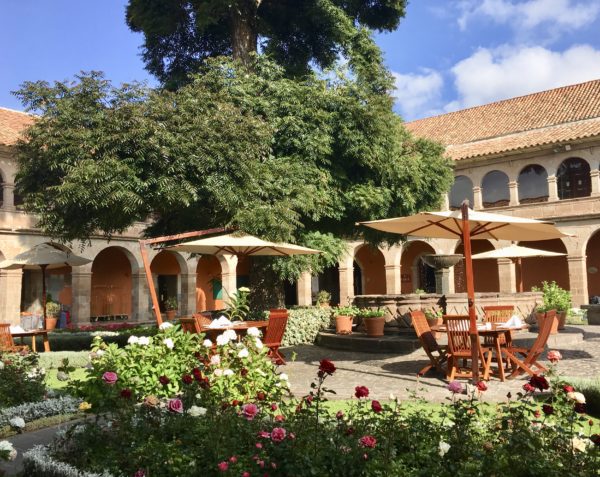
point(323, 298)
point(554, 298)
point(52, 314)
point(344, 315)
point(171, 307)
point(374, 321)
point(434, 318)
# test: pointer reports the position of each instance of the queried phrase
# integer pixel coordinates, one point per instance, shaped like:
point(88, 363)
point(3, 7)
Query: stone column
point(304, 290)
point(228, 274)
point(442, 281)
point(477, 198)
point(82, 293)
point(10, 296)
point(141, 305)
point(513, 189)
point(595, 176)
point(8, 196)
point(507, 275)
point(393, 281)
point(187, 302)
point(552, 189)
point(445, 202)
point(451, 288)
point(346, 280)
point(578, 279)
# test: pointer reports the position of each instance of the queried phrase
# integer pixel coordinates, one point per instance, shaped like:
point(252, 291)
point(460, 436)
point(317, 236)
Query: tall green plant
point(238, 306)
point(554, 297)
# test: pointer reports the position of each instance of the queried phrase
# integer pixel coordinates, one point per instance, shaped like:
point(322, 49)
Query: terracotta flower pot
point(343, 325)
point(374, 325)
point(435, 322)
point(171, 314)
point(51, 322)
point(562, 319)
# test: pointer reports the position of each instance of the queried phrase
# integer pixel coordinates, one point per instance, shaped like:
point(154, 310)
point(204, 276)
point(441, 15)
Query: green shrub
point(304, 325)
point(591, 390)
point(21, 379)
point(370, 313)
point(554, 297)
point(53, 360)
point(348, 310)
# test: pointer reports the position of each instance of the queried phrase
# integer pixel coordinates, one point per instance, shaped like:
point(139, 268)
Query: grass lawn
point(53, 383)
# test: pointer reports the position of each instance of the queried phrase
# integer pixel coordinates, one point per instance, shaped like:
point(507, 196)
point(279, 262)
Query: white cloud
point(506, 72)
point(417, 93)
point(527, 15)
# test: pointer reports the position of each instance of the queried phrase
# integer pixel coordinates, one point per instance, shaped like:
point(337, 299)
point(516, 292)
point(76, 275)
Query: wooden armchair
point(274, 334)
point(7, 345)
point(428, 341)
point(529, 357)
point(459, 348)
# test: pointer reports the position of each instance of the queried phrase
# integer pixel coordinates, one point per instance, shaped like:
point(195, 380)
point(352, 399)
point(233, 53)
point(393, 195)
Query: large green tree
point(180, 35)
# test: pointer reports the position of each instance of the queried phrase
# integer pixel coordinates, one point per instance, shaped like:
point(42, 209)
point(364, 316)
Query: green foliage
point(237, 306)
point(348, 310)
point(304, 324)
point(370, 313)
point(432, 313)
point(323, 297)
point(554, 297)
point(21, 379)
point(590, 387)
point(171, 303)
point(52, 309)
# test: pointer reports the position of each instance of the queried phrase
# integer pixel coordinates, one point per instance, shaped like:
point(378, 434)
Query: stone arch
point(209, 284)
point(112, 283)
point(537, 269)
point(485, 272)
point(533, 184)
point(461, 189)
point(573, 178)
point(494, 189)
point(371, 264)
point(166, 268)
point(415, 273)
point(592, 252)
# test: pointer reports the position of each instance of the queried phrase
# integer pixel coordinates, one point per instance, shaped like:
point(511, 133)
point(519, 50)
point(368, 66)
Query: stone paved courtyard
point(392, 373)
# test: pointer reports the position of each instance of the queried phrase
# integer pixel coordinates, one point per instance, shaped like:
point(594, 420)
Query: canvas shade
point(240, 244)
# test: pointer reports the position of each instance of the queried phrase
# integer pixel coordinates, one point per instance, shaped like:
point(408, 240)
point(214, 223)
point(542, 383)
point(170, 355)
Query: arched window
point(533, 184)
point(461, 189)
point(495, 189)
point(573, 178)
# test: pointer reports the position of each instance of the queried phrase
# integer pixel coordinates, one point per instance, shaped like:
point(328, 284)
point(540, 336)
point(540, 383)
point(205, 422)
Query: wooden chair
point(459, 348)
point(274, 334)
point(497, 314)
point(7, 345)
point(203, 319)
point(429, 343)
point(530, 356)
point(189, 324)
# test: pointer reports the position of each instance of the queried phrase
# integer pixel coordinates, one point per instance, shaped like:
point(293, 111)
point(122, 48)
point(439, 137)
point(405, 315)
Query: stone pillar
point(228, 274)
point(552, 189)
point(393, 279)
point(8, 196)
point(507, 275)
point(141, 304)
point(477, 198)
point(346, 280)
point(82, 294)
point(513, 189)
point(10, 296)
point(445, 202)
point(451, 288)
point(442, 281)
point(595, 176)
point(304, 289)
point(187, 302)
point(578, 279)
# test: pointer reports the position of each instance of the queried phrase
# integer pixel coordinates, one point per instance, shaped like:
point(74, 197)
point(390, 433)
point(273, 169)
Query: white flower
point(207, 343)
point(244, 289)
point(215, 360)
point(577, 397)
point(228, 372)
point(259, 344)
point(6, 446)
point(283, 377)
point(580, 445)
point(392, 397)
point(17, 422)
point(2, 367)
point(222, 340)
point(231, 335)
point(100, 352)
point(218, 372)
point(168, 342)
point(196, 411)
point(443, 448)
point(144, 340)
point(133, 340)
point(165, 325)
point(243, 353)
point(253, 331)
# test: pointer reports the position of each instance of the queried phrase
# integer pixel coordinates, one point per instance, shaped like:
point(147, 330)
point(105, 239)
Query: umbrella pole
point(520, 270)
point(466, 238)
point(43, 267)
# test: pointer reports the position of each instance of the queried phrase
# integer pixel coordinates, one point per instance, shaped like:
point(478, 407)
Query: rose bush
point(21, 379)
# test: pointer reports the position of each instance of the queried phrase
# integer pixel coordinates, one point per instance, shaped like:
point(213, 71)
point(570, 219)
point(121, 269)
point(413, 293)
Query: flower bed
point(37, 462)
point(21, 379)
point(37, 410)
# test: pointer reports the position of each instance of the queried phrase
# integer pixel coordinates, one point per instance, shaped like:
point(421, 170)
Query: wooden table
point(240, 328)
point(34, 334)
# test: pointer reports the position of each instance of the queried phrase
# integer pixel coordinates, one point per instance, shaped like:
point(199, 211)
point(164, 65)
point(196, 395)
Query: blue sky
point(446, 55)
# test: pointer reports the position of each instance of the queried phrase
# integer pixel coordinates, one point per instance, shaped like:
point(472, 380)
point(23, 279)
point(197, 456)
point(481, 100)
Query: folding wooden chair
point(429, 343)
point(189, 324)
point(459, 348)
point(531, 355)
point(7, 344)
point(274, 334)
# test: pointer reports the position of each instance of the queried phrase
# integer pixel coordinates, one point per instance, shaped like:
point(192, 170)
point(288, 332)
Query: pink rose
point(368, 441)
point(110, 377)
point(223, 466)
point(175, 405)
point(246, 474)
point(455, 387)
point(278, 434)
point(554, 356)
point(249, 411)
point(140, 473)
point(264, 434)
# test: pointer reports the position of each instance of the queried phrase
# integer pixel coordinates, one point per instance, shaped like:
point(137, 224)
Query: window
point(461, 189)
point(573, 178)
point(533, 184)
point(495, 190)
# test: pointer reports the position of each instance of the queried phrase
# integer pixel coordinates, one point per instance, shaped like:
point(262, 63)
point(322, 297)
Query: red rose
point(361, 392)
point(595, 438)
point(350, 431)
point(126, 393)
point(326, 367)
point(164, 380)
point(260, 396)
point(274, 407)
point(339, 415)
point(309, 399)
point(368, 441)
point(187, 379)
point(528, 388)
point(197, 374)
point(243, 372)
point(235, 403)
point(278, 434)
point(580, 407)
point(223, 466)
point(548, 409)
point(539, 382)
point(279, 418)
point(481, 386)
point(233, 459)
point(376, 406)
point(568, 389)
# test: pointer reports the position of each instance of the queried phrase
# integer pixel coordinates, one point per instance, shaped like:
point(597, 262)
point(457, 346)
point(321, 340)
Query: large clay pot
point(435, 322)
point(343, 325)
point(540, 316)
point(171, 314)
point(374, 325)
point(562, 319)
point(51, 322)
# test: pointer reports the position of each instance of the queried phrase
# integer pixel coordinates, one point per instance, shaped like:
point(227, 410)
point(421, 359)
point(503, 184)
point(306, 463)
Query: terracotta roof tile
point(12, 123)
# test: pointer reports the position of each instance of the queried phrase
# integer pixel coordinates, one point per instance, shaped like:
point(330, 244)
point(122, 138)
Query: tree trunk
point(244, 34)
point(266, 287)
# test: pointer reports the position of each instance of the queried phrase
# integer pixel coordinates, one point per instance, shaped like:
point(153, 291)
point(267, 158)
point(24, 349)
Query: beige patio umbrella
point(516, 253)
point(45, 256)
point(467, 225)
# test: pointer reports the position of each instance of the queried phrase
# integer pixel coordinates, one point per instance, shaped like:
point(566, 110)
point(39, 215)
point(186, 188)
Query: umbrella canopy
point(516, 251)
point(240, 244)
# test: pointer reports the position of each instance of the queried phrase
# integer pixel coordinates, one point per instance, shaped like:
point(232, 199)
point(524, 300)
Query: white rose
point(253, 331)
point(577, 397)
point(228, 372)
point(6, 446)
point(283, 377)
point(215, 360)
point(100, 352)
point(218, 372)
point(443, 448)
point(259, 344)
point(165, 325)
point(231, 335)
point(144, 340)
point(169, 343)
point(17, 422)
point(580, 445)
point(1, 364)
point(243, 353)
point(207, 343)
point(222, 340)
point(133, 340)
point(197, 411)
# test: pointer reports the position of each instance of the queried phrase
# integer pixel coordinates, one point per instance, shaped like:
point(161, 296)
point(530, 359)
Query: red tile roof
point(556, 115)
point(12, 124)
